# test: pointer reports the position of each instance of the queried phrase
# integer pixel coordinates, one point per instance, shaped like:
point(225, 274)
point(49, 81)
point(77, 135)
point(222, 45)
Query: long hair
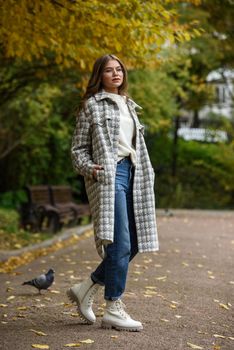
point(95, 82)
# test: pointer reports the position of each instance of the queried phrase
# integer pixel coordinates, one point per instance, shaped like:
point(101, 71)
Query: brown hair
point(95, 81)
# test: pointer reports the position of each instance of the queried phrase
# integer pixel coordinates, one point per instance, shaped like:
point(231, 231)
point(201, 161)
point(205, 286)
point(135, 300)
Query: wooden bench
point(50, 207)
point(62, 199)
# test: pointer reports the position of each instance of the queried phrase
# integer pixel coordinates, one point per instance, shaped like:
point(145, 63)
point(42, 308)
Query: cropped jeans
point(112, 271)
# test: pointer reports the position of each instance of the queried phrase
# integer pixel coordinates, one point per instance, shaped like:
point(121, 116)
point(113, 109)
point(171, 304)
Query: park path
point(182, 294)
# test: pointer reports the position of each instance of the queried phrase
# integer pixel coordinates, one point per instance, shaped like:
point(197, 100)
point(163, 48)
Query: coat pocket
point(104, 176)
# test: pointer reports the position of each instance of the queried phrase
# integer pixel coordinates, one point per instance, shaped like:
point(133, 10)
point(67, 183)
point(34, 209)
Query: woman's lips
point(116, 79)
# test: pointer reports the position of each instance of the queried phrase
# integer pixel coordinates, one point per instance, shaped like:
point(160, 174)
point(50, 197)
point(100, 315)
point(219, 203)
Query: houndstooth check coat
point(95, 141)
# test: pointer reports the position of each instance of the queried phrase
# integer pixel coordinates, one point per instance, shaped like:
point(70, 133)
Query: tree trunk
point(196, 120)
point(175, 147)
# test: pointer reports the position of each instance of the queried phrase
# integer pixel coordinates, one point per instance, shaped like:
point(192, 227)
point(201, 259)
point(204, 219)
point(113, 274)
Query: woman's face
point(112, 76)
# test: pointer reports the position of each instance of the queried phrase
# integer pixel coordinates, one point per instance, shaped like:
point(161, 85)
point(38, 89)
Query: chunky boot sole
point(121, 328)
point(73, 298)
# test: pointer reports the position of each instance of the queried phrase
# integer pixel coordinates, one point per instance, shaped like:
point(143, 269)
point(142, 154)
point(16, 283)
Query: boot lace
point(120, 307)
point(93, 291)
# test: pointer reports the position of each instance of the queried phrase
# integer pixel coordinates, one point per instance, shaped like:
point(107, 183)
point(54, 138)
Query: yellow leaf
point(87, 341)
point(3, 305)
point(40, 346)
point(55, 291)
point(219, 336)
point(22, 308)
point(161, 278)
point(37, 332)
point(73, 345)
point(164, 320)
point(224, 306)
point(193, 346)
point(114, 336)
point(11, 297)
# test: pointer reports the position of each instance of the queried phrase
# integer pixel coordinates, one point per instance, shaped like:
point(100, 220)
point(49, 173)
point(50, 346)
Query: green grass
point(12, 236)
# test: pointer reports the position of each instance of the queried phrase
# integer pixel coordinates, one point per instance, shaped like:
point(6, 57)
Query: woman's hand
point(95, 170)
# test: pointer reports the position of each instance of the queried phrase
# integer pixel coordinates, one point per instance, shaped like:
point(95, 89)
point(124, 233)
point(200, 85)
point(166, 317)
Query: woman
point(109, 150)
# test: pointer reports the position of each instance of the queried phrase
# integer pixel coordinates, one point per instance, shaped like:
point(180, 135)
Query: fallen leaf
point(193, 346)
point(161, 278)
point(11, 297)
point(178, 316)
point(114, 336)
point(217, 347)
point(219, 336)
point(231, 338)
point(164, 320)
point(87, 341)
point(38, 332)
point(40, 346)
point(3, 305)
point(224, 306)
point(73, 345)
point(22, 307)
point(55, 291)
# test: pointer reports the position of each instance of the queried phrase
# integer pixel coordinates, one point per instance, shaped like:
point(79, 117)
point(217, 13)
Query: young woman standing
point(109, 150)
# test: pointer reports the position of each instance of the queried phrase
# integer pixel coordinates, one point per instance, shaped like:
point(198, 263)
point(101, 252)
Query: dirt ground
point(182, 294)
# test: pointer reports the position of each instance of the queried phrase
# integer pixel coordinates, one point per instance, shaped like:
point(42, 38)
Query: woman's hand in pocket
point(95, 170)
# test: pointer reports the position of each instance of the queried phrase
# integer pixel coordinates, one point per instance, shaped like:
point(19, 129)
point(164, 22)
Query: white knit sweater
point(127, 129)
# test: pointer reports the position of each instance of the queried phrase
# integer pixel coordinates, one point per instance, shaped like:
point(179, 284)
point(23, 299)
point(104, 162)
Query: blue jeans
point(112, 271)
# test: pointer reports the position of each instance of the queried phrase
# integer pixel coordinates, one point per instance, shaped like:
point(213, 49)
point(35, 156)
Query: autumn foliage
point(75, 32)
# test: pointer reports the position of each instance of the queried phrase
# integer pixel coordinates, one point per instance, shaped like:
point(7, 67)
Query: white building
point(223, 105)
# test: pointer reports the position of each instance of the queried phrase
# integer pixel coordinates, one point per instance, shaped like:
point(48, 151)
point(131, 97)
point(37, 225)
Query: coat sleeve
point(81, 148)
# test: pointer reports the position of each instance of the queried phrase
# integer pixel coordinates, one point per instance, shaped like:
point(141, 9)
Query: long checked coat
point(95, 141)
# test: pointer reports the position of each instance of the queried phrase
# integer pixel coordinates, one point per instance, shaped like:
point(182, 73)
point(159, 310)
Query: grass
point(14, 237)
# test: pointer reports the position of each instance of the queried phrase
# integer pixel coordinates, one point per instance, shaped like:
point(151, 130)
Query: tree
point(73, 33)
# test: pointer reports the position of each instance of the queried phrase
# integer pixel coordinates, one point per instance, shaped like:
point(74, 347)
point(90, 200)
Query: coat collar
point(103, 94)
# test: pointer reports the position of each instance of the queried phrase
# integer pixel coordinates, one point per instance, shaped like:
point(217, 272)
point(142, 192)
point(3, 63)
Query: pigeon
point(43, 281)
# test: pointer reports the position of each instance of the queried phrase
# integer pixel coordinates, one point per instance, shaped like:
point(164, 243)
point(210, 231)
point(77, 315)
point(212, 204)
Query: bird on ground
point(43, 281)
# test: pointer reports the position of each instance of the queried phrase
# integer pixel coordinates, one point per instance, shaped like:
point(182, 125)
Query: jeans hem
point(96, 280)
point(111, 298)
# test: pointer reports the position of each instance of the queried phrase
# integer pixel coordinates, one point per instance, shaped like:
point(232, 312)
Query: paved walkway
point(183, 294)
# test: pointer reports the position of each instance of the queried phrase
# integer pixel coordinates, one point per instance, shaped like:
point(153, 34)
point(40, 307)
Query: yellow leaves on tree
point(74, 33)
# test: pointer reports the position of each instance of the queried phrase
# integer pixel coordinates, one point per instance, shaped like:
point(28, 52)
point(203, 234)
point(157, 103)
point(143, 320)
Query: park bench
point(50, 207)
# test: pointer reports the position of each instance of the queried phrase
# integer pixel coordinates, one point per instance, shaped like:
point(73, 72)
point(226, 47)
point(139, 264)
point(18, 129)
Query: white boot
point(83, 295)
point(116, 317)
